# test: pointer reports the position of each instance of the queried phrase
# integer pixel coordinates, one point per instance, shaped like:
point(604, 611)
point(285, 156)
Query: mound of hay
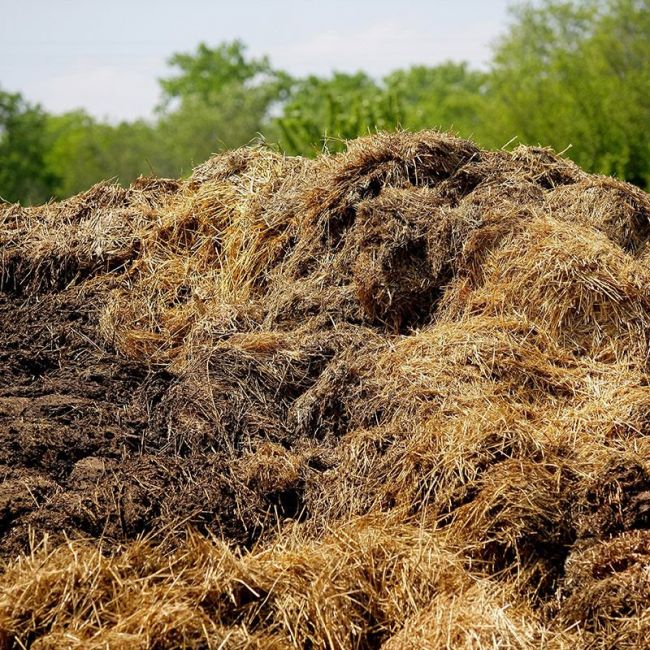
point(394, 397)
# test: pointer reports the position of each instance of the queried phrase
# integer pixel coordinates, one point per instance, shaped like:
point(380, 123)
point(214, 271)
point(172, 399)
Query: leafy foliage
point(324, 112)
point(219, 99)
point(85, 151)
point(23, 172)
point(448, 96)
point(578, 73)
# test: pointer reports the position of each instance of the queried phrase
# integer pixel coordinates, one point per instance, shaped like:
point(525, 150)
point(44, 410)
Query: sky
point(105, 56)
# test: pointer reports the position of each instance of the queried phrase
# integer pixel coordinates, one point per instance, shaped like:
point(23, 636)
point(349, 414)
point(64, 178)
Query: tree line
point(570, 74)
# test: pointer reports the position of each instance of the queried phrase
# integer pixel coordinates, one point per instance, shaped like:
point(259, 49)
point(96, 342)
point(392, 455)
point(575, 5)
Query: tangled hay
point(394, 397)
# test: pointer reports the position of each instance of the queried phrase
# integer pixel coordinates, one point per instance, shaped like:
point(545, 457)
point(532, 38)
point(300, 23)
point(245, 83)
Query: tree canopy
point(578, 74)
point(24, 175)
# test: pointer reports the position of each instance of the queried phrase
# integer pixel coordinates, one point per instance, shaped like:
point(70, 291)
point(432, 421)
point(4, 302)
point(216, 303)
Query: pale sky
point(106, 55)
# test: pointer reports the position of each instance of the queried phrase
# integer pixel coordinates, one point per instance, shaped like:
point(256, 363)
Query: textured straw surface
point(392, 398)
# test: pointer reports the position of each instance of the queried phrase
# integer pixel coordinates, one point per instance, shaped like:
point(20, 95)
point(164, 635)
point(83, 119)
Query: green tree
point(577, 73)
point(324, 111)
point(218, 98)
point(24, 175)
point(450, 96)
point(85, 151)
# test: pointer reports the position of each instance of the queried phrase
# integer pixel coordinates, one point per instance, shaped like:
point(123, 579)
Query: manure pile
point(392, 398)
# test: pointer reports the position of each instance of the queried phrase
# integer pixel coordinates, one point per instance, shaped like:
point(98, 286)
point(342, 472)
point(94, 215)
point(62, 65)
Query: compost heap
point(395, 397)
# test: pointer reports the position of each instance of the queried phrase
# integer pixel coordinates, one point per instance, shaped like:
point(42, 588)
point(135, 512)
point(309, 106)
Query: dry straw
point(403, 403)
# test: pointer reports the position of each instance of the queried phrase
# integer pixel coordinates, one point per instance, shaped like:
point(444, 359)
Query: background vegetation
point(573, 73)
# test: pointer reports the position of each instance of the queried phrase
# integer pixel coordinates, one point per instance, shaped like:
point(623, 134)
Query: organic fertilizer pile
point(391, 398)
